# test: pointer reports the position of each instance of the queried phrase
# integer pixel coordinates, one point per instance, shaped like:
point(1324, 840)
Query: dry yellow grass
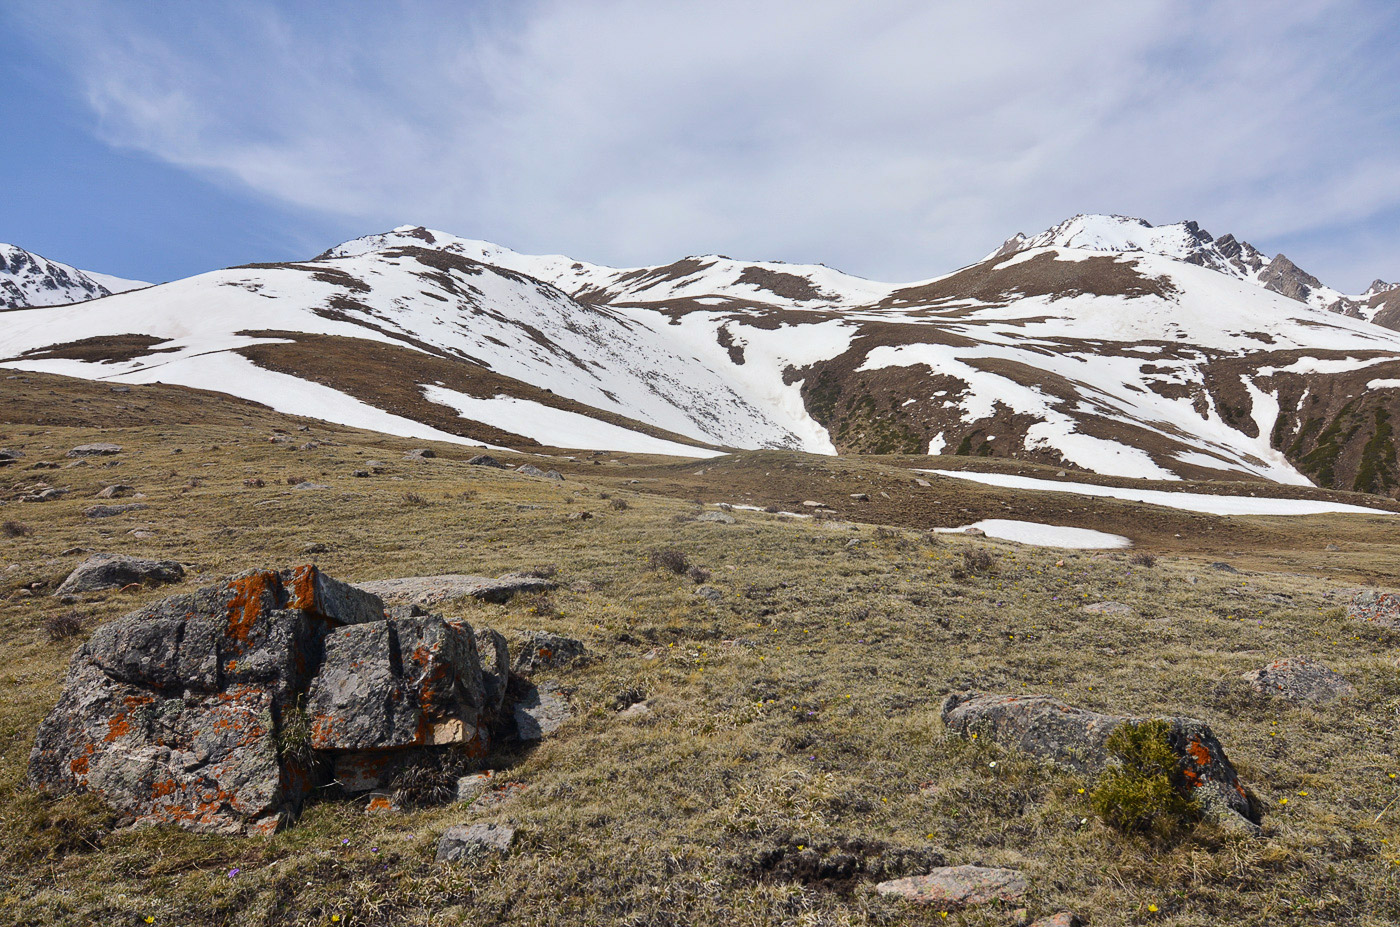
point(802, 706)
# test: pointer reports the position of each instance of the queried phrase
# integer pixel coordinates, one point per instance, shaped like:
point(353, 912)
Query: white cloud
point(892, 139)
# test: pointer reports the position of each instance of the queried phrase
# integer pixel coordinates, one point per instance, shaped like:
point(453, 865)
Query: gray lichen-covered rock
point(412, 682)
point(1074, 737)
point(722, 518)
point(95, 450)
point(1382, 608)
point(536, 650)
point(542, 710)
point(433, 590)
point(109, 511)
point(529, 470)
point(486, 460)
point(951, 888)
point(1300, 679)
point(463, 841)
point(116, 491)
point(219, 710)
point(112, 571)
point(173, 713)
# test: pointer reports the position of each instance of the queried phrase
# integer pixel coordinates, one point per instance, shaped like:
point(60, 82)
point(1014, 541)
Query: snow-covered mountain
point(1104, 344)
point(26, 280)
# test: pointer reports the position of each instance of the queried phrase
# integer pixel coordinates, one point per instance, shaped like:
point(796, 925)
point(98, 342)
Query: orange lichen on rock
point(245, 605)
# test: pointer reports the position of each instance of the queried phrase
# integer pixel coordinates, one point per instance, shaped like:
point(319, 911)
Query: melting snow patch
point(557, 427)
point(1383, 384)
point(1038, 535)
point(1189, 501)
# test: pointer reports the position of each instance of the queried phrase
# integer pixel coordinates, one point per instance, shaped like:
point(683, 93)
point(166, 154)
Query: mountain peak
point(30, 280)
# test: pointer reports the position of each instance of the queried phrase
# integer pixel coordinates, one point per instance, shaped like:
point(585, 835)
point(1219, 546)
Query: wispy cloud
point(892, 139)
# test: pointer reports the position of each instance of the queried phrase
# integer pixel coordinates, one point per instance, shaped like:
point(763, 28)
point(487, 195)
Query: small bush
point(16, 529)
point(700, 575)
point(668, 559)
point(977, 561)
point(1143, 559)
point(413, 498)
point(619, 505)
point(543, 571)
point(432, 781)
point(1145, 794)
point(296, 480)
point(254, 483)
point(294, 737)
point(61, 627)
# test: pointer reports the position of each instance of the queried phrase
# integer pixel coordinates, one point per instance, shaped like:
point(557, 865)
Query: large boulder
point(1076, 738)
point(219, 710)
point(112, 571)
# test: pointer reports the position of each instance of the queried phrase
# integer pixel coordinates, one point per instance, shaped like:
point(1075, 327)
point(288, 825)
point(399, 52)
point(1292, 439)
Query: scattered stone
point(553, 475)
point(1382, 608)
point(635, 711)
point(1300, 679)
point(308, 485)
point(95, 450)
point(486, 460)
point(919, 482)
point(541, 711)
point(1074, 737)
point(538, 650)
point(381, 801)
point(974, 532)
point(108, 511)
point(837, 863)
point(117, 491)
point(359, 473)
point(952, 888)
point(45, 495)
point(861, 496)
point(470, 788)
point(579, 516)
point(254, 482)
point(1063, 919)
point(420, 453)
point(709, 593)
point(529, 470)
point(722, 518)
point(113, 571)
point(1223, 567)
point(854, 543)
point(432, 590)
point(10, 454)
point(463, 841)
point(1331, 547)
point(813, 504)
point(121, 389)
point(1108, 608)
point(315, 547)
point(375, 466)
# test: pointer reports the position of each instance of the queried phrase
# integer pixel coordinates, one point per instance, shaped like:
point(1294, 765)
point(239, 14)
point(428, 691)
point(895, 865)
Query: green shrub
point(1145, 793)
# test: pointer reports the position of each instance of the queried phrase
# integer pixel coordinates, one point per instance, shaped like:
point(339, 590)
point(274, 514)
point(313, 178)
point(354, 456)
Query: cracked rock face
point(1074, 737)
point(218, 710)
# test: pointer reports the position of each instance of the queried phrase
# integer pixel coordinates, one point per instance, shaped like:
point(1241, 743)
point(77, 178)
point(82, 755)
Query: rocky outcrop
point(95, 450)
point(113, 571)
point(1300, 679)
point(1075, 738)
point(1288, 279)
point(221, 709)
point(1382, 608)
point(951, 888)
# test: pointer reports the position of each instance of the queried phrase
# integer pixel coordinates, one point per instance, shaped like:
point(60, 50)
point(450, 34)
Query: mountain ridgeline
point(1103, 344)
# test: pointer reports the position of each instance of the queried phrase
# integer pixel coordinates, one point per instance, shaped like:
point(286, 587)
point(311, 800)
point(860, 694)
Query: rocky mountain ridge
point(1104, 344)
point(29, 280)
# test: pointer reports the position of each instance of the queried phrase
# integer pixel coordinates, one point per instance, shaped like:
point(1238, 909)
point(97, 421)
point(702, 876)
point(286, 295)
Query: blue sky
point(895, 139)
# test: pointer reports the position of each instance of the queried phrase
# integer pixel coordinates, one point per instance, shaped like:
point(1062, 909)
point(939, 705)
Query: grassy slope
point(805, 701)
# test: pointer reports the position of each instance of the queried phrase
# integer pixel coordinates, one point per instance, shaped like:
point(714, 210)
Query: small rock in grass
point(952, 888)
point(635, 711)
point(975, 532)
point(861, 496)
point(117, 491)
point(486, 460)
point(359, 473)
point(553, 475)
point(529, 470)
point(538, 650)
point(95, 450)
point(709, 593)
point(1382, 608)
point(108, 511)
point(420, 453)
point(113, 571)
point(1063, 919)
point(309, 485)
point(45, 495)
point(1223, 567)
point(541, 711)
point(470, 788)
point(722, 518)
point(1108, 608)
point(1300, 679)
point(463, 841)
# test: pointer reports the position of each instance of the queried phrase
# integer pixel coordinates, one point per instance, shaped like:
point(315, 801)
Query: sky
point(894, 139)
